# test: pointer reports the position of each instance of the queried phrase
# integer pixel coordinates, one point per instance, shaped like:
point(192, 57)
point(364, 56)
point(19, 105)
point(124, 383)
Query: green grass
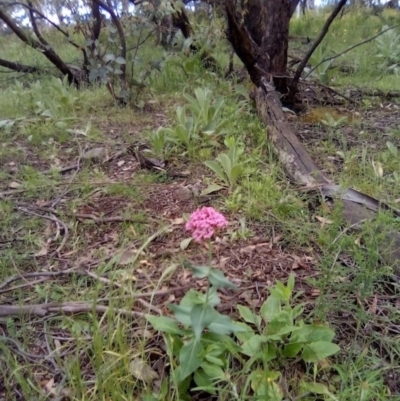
point(52, 125)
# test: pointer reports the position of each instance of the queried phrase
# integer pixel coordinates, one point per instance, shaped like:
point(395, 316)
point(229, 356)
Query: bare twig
point(351, 48)
point(319, 39)
point(58, 222)
point(112, 219)
point(64, 307)
point(331, 90)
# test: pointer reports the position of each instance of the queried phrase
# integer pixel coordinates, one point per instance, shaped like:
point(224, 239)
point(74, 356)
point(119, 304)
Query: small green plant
point(194, 352)
point(388, 49)
point(278, 334)
point(227, 166)
point(321, 70)
point(198, 124)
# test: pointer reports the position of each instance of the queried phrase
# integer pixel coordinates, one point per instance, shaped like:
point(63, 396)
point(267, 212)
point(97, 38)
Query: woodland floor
point(78, 222)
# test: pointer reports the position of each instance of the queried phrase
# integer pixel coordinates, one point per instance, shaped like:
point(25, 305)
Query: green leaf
point(224, 325)
point(316, 388)
point(248, 315)
point(253, 345)
point(319, 350)
point(211, 189)
point(290, 284)
point(313, 332)
point(188, 358)
point(120, 60)
point(270, 308)
point(246, 334)
point(201, 316)
point(214, 360)
point(200, 271)
point(109, 57)
point(181, 313)
point(218, 279)
point(393, 150)
point(291, 350)
point(212, 371)
point(204, 382)
point(214, 166)
point(164, 324)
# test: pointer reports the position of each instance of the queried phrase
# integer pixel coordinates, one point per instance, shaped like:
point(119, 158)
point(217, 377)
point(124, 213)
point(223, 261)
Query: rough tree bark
point(259, 36)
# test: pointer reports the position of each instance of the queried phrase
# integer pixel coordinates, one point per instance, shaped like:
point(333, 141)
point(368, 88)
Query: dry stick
point(331, 90)
point(90, 274)
point(319, 39)
point(351, 48)
point(55, 220)
point(112, 219)
point(42, 310)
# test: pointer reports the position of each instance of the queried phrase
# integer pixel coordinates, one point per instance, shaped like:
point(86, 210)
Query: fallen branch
point(11, 65)
point(357, 207)
point(42, 310)
point(112, 219)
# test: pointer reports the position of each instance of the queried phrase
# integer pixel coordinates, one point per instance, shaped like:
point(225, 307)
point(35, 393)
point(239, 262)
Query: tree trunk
point(267, 24)
point(260, 39)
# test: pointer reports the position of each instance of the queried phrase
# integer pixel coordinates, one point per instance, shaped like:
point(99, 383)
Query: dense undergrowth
point(206, 127)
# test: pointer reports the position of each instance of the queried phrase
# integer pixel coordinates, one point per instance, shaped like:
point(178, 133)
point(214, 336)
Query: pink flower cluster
point(203, 223)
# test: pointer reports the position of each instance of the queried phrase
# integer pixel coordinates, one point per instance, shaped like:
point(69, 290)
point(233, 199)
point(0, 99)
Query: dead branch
point(45, 309)
point(19, 67)
point(357, 207)
point(112, 219)
point(325, 29)
point(48, 52)
point(351, 48)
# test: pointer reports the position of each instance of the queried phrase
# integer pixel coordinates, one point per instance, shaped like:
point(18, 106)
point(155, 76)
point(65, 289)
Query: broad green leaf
point(201, 316)
point(225, 163)
point(212, 371)
point(279, 323)
point(248, 315)
point(316, 388)
point(109, 57)
point(224, 325)
point(214, 360)
point(253, 345)
point(181, 313)
point(290, 283)
point(200, 271)
point(189, 360)
point(211, 189)
point(204, 382)
point(312, 333)
point(164, 324)
point(270, 308)
point(319, 350)
point(218, 279)
point(214, 166)
point(246, 334)
point(393, 150)
point(292, 349)
point(120, 60)
point(235, 173)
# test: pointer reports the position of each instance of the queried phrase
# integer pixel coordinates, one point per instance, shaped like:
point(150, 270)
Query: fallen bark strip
point(357, 207)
